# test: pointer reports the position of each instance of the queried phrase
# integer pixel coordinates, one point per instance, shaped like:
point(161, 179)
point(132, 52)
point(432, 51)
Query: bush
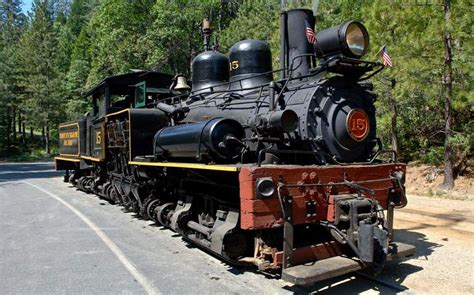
point(433, 156)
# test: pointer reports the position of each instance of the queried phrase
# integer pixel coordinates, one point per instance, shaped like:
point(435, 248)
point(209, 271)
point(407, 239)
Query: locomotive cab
point(111, 95)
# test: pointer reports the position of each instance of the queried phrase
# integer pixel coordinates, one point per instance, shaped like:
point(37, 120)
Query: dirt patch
point(443, 233)
point(425, 180)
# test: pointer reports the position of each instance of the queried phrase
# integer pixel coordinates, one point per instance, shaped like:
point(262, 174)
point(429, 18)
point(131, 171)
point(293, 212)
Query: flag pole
point(380, 50)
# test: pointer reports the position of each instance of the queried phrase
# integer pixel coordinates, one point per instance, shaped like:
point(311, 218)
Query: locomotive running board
point(303, 275)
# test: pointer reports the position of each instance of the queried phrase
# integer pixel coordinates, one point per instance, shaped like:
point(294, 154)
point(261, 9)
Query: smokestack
point(294, 42)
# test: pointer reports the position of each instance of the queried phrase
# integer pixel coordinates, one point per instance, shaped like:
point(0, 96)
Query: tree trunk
point(43, 138)
point(23, 132)
point(13, 124)
point(46, 142)
point(47, 147)
point(9, 129)
point(31, 133)
point(19, 122)
point(448, 182)
point(393, 108)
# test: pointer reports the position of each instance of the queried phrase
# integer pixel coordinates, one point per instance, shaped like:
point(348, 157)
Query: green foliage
point(41, 81)
point(174, 35)
point(255, 20)
point(117, 28)
point(47, 60)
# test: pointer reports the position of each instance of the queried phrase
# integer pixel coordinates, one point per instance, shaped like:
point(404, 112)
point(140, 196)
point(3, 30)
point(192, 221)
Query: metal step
point(320, 270)
point(400, 250)
point(308, 274)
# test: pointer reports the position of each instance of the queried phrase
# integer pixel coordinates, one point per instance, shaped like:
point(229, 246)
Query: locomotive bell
point(181, 84)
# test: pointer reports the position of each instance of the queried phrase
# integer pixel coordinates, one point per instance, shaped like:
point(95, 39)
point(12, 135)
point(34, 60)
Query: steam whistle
point(206, 32)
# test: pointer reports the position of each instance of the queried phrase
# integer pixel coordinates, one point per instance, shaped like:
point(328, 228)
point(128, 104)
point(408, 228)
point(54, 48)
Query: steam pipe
point(271, 97)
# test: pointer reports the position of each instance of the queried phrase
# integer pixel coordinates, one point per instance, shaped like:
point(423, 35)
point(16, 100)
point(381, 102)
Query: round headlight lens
point(357, 39)
point(265, 187)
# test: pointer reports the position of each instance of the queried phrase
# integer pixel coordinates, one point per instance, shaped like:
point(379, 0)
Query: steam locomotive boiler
point(272, 168)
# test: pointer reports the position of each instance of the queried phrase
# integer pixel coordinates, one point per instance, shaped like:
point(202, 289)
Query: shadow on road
point(390, 280)
point(20, 171)
point(394, 273)
point(424, 247)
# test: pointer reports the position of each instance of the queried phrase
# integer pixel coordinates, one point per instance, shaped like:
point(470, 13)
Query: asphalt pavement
point(55, 239)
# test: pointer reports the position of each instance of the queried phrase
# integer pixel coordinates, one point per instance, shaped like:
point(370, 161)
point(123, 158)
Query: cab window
point(140, 94)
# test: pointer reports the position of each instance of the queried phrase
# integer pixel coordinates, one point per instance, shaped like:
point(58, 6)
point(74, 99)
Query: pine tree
point(41, 81)
point(12, 25)
point(117, 29)
point(174, 37)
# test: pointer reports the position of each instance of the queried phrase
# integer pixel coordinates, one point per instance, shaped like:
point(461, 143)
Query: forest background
point(60, 48)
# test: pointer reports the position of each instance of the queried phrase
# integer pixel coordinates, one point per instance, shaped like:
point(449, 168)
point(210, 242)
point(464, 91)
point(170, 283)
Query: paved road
point(55, 239)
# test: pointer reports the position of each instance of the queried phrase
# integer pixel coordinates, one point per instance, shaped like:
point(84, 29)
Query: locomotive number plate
point(357, 124)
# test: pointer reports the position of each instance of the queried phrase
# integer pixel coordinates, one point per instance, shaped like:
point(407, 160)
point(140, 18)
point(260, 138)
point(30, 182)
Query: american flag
point(310, 33)
point(387, 61)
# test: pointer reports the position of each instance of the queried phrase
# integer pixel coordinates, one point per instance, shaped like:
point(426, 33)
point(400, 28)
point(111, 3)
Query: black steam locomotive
point(274, 172)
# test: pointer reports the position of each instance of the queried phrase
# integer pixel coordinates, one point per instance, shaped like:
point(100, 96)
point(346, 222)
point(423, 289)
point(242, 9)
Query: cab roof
point(120, 84)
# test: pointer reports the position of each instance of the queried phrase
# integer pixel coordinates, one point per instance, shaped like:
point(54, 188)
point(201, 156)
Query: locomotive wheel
point(73, 178)
point(66, 176)
point(163, 213)
point(150, 213)
point(103, 190)
point(80, 183)
point(114, 195)
point(108, 188)
point(88, 184)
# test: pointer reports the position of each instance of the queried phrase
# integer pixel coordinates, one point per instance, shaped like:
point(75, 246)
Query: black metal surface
point(333, 40)
point(294, 42)
point(216, 138)
point(248, 59)
point(144, 123)
point(209, 69)
point(70, 138)
point(119, 84)
point(333, 104)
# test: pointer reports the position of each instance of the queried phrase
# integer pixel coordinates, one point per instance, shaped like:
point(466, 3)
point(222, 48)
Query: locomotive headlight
point(357, 39)
point(265, 187)
point(350, 38)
